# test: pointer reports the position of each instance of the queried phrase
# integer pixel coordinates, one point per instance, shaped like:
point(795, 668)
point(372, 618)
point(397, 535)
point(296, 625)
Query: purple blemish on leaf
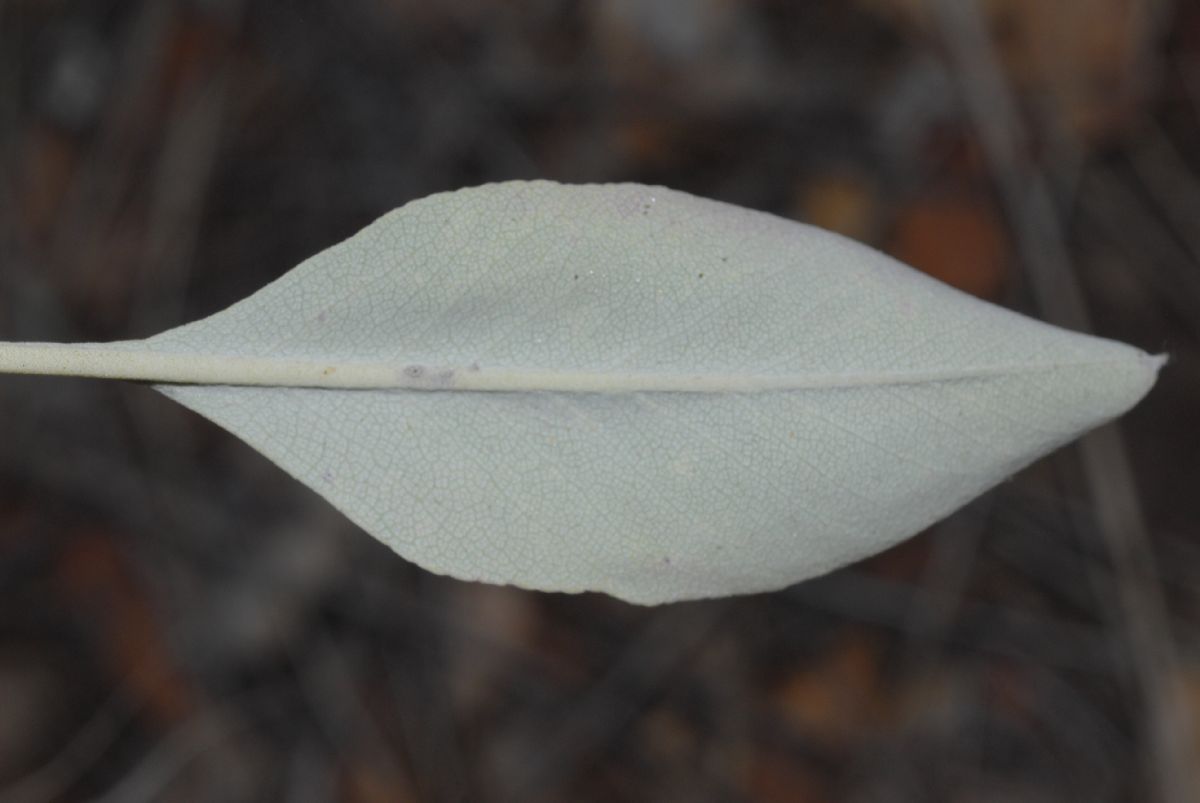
point(422, 376)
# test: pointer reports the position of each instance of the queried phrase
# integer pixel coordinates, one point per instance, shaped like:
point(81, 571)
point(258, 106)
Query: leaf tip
point(1142, 377)
point(1151, 364)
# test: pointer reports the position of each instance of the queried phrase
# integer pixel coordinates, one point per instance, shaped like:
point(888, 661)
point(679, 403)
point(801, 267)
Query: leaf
point(625, 389)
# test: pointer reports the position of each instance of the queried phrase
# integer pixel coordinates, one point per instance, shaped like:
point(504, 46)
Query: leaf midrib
point(109, 361)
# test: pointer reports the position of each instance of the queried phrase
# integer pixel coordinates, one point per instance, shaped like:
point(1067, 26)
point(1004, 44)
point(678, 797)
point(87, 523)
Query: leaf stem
point(136, 362)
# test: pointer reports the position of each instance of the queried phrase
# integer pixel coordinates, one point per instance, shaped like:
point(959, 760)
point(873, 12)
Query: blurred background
point(179, 621)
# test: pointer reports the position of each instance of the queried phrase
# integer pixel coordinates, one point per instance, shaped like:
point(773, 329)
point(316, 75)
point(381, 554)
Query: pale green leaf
point(626, 389)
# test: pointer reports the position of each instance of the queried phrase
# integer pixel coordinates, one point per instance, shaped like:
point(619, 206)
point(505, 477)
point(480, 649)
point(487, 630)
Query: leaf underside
point(650, 492)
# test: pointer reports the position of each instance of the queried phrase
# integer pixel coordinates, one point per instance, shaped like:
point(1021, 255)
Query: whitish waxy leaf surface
point(627, 389)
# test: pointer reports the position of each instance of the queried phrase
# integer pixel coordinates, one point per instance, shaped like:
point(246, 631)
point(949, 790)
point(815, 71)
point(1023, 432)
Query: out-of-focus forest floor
point(179, 621)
